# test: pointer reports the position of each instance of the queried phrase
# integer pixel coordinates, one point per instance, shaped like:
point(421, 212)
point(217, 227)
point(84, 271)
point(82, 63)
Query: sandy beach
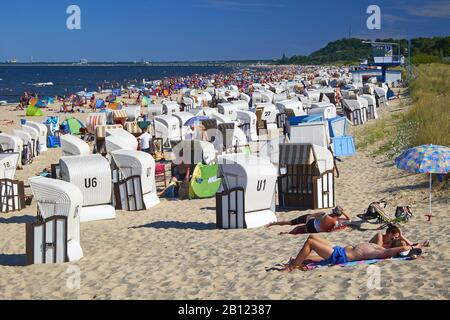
point(174, 250)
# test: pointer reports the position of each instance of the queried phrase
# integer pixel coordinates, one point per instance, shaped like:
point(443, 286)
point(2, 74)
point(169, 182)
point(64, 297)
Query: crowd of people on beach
point(316, 248)
point(243, 79)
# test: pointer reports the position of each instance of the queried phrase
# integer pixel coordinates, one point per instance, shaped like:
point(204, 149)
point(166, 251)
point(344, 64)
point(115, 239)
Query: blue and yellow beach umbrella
point(425, 159)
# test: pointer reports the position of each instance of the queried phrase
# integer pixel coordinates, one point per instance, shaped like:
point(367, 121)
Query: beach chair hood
point(305, 153)
point(8, 165)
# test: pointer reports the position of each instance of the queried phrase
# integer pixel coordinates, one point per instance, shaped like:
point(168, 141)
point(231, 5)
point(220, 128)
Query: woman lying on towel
point(328, 254)
point(316, 222)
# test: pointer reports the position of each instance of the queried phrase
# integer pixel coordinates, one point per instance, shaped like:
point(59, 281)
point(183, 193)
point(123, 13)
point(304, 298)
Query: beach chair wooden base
point(230, 209)
point(12, 195)
point(356, 117)
point(46, 241)
point(128, 194)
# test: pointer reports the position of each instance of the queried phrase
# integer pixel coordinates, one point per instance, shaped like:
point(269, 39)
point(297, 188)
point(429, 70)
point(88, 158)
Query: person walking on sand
point(316, 222)
point(328, 254)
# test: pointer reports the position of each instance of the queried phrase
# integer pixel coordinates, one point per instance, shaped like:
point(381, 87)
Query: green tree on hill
point(424, 50)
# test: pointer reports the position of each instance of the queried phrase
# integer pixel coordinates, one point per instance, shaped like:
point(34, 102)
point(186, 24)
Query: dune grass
point(430, 111)
point(425, 121)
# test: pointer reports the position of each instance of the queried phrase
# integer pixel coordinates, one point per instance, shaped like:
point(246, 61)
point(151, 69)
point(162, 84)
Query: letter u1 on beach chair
point(306, 178)
point(247, 198)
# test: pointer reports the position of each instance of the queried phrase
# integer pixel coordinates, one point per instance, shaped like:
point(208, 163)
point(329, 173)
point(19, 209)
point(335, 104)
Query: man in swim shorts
point(328, 254)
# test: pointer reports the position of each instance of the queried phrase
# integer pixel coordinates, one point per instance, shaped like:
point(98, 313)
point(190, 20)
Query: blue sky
point(157, 30)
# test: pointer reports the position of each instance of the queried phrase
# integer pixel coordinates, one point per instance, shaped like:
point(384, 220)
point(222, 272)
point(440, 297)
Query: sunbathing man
point(316, 222)
point(329, 254)
point(392, 233)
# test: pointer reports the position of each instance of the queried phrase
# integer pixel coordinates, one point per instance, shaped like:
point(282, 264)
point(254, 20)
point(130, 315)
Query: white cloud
point(432, 9)
point(391, 18)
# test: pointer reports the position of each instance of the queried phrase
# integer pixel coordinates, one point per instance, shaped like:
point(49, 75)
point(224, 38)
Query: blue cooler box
point(344, 146)
point(53, 142)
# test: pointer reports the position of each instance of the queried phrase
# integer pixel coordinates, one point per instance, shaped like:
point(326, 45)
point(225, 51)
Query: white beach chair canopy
point(11, 142)
point(170, 107)
point(317, 133)
point(326, 109)
point(248, 118)
point(294, 104)
point(228, 110)
point(257, 176)
point(137, 163)
point(73, 146)
point(91, 174)
point(154, 110)
point(42, 130)
point(194, 152)
point(167, 127)
point(8, 165)
point(133, 112)
point(117, 139)
point(60, 198)
point(25, 136)
point(241, 104)
point(34, 133)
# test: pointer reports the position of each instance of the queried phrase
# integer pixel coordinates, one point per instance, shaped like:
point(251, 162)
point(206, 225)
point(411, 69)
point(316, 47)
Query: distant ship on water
point(12, 61)
point(82, 62)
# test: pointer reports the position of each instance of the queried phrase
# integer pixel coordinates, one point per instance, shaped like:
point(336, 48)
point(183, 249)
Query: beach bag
point(205, 181)
point(183, 190)
point(404, 213)
point(373, 209)
point(170, 192)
